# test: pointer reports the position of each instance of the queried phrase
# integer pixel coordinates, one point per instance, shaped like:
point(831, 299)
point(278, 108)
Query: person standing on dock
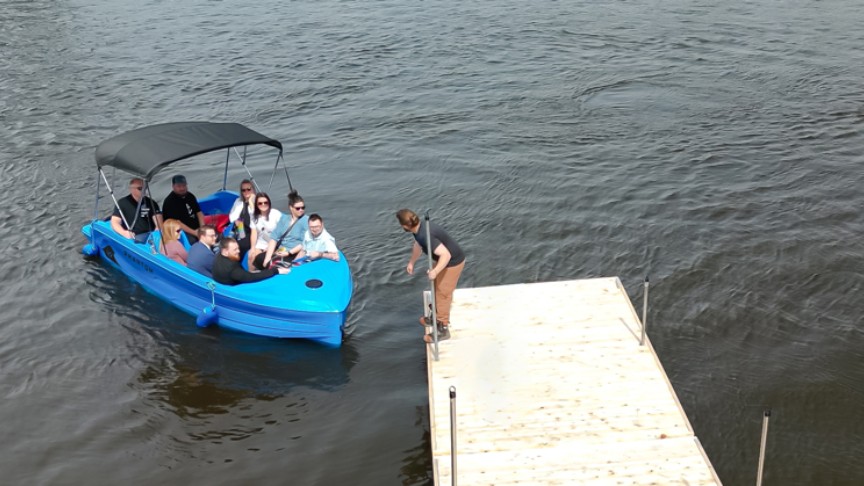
point(449, 262)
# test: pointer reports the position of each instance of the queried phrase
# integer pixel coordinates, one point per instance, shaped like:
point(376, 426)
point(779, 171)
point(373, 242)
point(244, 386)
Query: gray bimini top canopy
point(145, 151)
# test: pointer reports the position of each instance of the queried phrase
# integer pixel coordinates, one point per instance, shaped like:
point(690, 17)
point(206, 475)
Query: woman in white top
point(264, 219)
point(241, 216)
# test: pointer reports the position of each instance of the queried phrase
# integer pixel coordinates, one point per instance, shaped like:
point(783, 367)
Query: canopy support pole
point(96, 205)
point(116, 204)
point(225, 177)
point(243, 163)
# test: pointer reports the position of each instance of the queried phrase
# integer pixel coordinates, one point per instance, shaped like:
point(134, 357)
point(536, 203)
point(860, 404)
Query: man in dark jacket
point(227, 269)
point(183, 206)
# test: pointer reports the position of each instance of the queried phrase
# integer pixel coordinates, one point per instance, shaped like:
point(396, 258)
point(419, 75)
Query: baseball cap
point(178, 179)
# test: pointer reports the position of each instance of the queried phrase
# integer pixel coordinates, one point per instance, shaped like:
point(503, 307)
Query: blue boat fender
point(208, 315)
point(90, 250)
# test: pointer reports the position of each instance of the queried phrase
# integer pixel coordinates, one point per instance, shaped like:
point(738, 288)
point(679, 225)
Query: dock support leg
point(762, 444)
point(453, 435)
point(644, 312)
point(432, 284)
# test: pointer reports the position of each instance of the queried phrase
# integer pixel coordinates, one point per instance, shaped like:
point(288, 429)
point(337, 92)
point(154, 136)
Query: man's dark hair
point(316, 217)
point(203, 230)
point(225, 242)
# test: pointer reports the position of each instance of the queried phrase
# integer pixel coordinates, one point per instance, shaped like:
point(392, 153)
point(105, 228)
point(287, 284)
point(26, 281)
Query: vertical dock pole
point(453, 435)
point(432, 287)
point(765, 417)
point(644, 312)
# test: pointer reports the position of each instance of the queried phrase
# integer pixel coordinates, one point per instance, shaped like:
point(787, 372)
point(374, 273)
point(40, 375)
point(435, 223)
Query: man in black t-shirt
point(183, 206)
point(148, 218)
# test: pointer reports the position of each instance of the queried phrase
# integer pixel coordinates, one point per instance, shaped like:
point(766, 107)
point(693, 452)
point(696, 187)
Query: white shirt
point(324, 242)
point(265, 227)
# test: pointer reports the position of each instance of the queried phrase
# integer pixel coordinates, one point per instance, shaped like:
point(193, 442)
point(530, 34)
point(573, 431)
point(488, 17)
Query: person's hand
point(410, 268)
point(129, 235)
point(432, 273)
point(283, 270)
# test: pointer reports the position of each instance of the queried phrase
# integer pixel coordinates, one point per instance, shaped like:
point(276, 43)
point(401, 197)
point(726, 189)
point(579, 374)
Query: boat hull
point(311, 302)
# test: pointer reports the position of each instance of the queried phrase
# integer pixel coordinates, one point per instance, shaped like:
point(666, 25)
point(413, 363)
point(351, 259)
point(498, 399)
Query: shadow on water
point(415, 469)
point(198, 372)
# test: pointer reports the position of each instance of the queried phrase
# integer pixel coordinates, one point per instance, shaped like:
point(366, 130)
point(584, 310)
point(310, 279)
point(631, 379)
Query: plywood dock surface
point(553, 388)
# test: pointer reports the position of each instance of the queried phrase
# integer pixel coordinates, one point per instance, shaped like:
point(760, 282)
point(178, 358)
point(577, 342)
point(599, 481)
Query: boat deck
point(553, 388)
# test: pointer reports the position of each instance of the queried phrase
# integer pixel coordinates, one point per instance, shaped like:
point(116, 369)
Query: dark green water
point(713, 146)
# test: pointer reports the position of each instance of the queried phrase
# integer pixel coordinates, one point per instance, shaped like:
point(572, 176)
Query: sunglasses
point(137, 188)
point(263, 203)
point(299, 208)
point(246, 189)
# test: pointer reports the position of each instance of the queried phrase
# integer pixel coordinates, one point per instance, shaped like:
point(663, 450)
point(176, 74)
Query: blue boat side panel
point(282, 306)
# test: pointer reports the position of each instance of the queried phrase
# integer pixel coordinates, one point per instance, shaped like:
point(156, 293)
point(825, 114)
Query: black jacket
point(229, 272)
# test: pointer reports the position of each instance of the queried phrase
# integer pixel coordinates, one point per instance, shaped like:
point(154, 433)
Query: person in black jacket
point(183, 206)
point(227, 269)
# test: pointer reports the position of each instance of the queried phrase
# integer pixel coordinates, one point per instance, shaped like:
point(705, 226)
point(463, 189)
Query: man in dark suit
point(227, 269)
point(201, 254)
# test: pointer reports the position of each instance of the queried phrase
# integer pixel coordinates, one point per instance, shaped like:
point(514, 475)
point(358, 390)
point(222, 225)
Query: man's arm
point(443, 259)
point(186, 229)
point(200, 215)
point(330, 252)
point(415, 254)
point(117, 226)
point(242, 276)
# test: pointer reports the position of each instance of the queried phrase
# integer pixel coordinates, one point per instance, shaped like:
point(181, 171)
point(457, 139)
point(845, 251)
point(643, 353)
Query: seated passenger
point(264, 220)
point(317, 243)
point(201, 254)
point(288, 233)
point(171, 245)
point(143, 221)
point(241, 215)
point(227, 269)
point(183, 206)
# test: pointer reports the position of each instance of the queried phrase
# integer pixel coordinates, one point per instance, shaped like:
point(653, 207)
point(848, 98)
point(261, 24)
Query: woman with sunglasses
point(264, 220)
point(171, 245)
point(241, 216)
point(290, 231)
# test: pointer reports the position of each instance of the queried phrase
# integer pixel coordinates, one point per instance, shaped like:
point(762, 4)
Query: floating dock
point(553, 388)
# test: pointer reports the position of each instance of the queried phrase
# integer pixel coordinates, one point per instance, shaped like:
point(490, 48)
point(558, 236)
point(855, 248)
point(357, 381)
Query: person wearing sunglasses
point(143, 219)
point(171, 245)
point(265, 218)
point(241, 216)
point(287, 241)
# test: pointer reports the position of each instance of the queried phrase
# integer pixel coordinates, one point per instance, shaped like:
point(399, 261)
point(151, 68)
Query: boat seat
point(157, 239)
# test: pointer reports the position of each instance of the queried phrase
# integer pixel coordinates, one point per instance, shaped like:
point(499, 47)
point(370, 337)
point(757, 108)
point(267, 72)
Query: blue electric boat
point(310, 302)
